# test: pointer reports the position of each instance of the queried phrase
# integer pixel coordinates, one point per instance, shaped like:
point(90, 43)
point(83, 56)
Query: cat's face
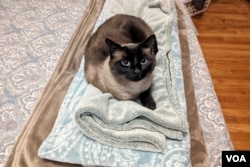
point(132, 61)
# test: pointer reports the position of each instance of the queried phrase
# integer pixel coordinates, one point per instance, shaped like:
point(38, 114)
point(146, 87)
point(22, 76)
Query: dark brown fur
point(105, 56)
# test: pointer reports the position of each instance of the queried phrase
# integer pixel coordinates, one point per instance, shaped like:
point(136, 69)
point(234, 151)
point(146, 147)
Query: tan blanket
point(40, 123)
point(197, 141)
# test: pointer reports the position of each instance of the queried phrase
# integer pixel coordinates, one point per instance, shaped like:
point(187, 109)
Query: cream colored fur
point(107, 82)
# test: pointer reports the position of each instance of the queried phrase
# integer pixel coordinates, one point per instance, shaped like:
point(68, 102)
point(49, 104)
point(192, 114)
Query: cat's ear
point(151, 43)
point(112, 46)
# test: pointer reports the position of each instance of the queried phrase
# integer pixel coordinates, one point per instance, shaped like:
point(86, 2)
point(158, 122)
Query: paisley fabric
point(33, 35)
point(214, 127)
point(217, 138)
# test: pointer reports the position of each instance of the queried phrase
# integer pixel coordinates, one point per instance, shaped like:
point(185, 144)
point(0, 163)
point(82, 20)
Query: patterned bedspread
point(211, 117)
point(33, 35)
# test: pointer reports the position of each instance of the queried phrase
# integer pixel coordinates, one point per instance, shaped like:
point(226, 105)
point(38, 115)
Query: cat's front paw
point(147, 100)
point(150, 104)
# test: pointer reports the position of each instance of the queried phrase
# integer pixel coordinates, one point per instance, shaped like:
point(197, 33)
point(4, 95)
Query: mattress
point(39, 57)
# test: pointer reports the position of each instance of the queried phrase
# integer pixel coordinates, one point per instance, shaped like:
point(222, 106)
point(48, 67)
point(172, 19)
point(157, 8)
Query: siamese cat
point(120, 58)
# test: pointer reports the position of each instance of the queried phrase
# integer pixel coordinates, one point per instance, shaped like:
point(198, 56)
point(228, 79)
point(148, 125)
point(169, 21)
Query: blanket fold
point(113, 122)
point(127, 124)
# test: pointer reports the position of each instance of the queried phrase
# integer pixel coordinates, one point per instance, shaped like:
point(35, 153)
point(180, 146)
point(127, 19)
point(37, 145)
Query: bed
point(40, 56)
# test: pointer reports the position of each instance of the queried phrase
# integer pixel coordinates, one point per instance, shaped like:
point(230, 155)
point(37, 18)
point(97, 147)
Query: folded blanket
point(67, 143)
point(127, 124)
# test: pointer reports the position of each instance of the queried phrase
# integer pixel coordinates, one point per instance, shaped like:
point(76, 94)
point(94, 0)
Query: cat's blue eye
point(144, 61)
point(125, 63)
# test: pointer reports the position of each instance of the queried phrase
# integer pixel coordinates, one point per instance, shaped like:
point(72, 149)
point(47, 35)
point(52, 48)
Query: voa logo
point(236, 158)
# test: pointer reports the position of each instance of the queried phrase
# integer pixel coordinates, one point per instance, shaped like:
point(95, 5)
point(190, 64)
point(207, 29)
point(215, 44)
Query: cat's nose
point(137, 71)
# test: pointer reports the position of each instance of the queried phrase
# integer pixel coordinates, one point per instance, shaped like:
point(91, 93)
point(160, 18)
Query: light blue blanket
point(66, 142)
